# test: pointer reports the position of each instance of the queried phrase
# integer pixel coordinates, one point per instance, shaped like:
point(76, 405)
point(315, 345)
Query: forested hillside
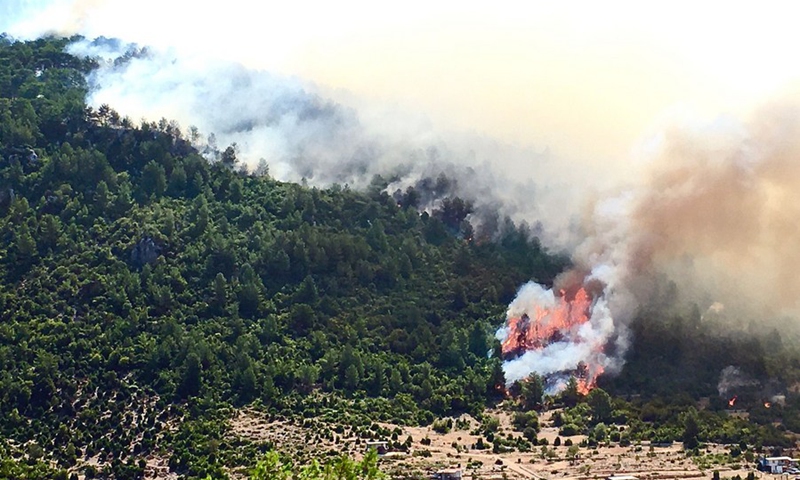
point(149, 293)
point(138, 275)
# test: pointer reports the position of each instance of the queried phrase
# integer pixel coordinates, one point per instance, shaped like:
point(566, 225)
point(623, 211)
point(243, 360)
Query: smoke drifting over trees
point(711, 210)
point(303, 136)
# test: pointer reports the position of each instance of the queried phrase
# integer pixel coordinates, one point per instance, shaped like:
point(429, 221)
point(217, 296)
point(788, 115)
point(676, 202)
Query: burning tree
point(558, 334)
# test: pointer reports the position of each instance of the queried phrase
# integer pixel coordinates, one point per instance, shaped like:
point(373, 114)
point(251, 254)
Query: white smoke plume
point(732, 378)
point(581, 346)
point(303, 136)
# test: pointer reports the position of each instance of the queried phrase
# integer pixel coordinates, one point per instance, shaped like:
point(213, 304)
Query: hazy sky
point(587, 80)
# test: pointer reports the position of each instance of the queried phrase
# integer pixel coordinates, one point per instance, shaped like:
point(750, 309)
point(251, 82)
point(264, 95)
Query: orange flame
point(732, 401)
point(532, 334)
point(767, 404)
point(585, 385)
point(502, 390)
point(549, 325)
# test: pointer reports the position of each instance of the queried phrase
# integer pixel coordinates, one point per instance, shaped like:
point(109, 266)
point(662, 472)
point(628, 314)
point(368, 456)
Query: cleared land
point(457, 448)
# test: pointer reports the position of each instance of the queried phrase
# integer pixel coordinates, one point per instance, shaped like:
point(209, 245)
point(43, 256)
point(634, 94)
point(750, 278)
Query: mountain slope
point(145, 288)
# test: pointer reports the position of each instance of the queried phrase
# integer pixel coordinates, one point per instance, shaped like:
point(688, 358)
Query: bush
point(442, 425)
point(491, 424)
point(524, 420)
point(569, 430)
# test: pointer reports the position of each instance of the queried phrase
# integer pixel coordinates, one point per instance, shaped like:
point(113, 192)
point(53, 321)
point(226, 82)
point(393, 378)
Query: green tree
point(571, 395)
point(691, 431)
point(301, 318)
point(123, 201)
point(177, 181)
point(154, 179)
point(102, 196)
point(25, 245)
point(478, 340)
point(600, 403)
point(532, 391)
point(351, 378)
point(191, 379)
point(271, 467)
point(572, 454)
point(220, 299)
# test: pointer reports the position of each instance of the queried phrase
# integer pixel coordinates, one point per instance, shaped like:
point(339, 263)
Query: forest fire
point(547, 324)
point(557, 335)
point(732, 401)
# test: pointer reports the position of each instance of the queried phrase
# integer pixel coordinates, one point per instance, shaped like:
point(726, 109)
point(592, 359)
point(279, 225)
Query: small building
point(622, 477)
point(776, 464)
point(380, 446)
point(448, 474)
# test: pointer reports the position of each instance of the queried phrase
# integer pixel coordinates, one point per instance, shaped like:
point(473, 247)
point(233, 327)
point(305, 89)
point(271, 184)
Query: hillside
point(144, 287)
point(150, 296)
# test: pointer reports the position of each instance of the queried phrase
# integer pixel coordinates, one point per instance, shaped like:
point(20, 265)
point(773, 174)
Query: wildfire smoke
point(560, 332)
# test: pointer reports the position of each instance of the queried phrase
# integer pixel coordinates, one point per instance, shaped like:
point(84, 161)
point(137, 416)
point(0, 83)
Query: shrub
point(569, 430)
point(442, 425)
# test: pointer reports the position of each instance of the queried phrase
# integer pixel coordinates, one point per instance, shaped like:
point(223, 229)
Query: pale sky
point(586, 80)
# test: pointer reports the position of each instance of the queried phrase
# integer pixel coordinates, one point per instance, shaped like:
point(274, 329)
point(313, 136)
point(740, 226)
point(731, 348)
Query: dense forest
point(138, 275)
point(148, 292)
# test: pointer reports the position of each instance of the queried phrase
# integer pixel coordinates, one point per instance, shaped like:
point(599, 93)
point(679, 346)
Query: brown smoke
point(720, 210)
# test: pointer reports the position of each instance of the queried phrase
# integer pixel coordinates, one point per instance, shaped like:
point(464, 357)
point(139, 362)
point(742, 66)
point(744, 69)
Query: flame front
point(556, 335)
point(548, 324)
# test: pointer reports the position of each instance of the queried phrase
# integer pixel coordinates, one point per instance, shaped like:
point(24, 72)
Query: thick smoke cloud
point(304, 136)
point(717, 213)
point(714, 221)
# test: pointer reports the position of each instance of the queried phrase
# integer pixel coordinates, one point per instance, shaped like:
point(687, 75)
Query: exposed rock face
point(146, 251)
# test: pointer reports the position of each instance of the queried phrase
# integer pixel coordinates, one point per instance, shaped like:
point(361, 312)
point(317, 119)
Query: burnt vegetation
point(147, 292)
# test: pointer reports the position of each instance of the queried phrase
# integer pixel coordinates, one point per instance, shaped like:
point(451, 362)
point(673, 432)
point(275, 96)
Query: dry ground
point(455, 449)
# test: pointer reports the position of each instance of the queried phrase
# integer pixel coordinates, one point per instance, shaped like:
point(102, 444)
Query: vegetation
point(147, 293)
point(343, 468)
point(146, 289)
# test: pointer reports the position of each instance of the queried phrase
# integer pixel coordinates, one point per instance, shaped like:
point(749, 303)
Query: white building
point(448, 474)
point(621, 477)
point(776, 464)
